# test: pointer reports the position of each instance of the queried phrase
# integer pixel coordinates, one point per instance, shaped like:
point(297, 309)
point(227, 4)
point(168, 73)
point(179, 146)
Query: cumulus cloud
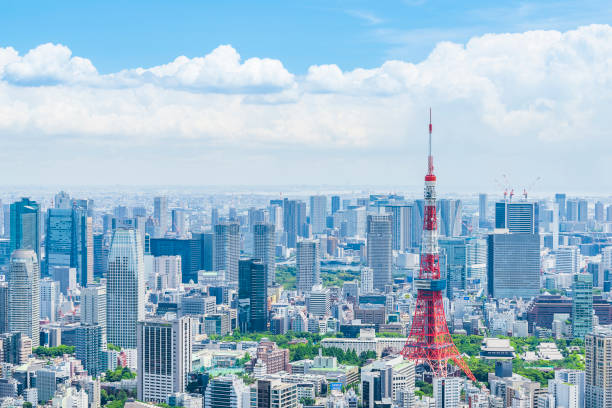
point(543, 89)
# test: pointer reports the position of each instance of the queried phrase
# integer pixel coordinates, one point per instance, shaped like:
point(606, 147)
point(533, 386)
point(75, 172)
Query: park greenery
point(286, 277)
point(114, 398)
point(58, 351)
point(118, 374)
point(539, 370)
point(423, 389)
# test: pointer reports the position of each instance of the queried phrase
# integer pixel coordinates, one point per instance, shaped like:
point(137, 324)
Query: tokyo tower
point(429, 342)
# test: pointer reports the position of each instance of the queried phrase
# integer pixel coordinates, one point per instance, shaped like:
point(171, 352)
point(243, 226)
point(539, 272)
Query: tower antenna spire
point(430, 157)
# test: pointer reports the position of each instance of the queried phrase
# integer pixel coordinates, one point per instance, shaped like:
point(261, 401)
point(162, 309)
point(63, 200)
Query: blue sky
point(128, 34)
point(306, 92)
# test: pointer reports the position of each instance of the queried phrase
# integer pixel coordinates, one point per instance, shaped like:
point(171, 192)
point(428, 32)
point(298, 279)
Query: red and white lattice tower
point(430, 342)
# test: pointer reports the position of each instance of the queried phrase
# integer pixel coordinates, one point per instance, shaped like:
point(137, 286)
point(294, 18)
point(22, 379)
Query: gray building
point(24, 294)
point(89, 348)
point(318, 213)
point(380, 256)
point(264, 249)
point(513, 265)
point(308, 264)
point(226, 249)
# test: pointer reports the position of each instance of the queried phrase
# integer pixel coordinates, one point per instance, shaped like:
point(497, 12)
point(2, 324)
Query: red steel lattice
point(429, 341)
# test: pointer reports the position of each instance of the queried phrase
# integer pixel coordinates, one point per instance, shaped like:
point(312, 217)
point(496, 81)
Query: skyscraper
point(264, 249)
point(401, 227)
point(160, 213)
point(453, 264)
point(318, 212)
point(24, 294)
point(125, 288)
point(567, 259)
point(4, 307)
point(294, 220)
point(93, 309)
point(560, 200)
point(583, 210)
point(335, 204)
point(164, 358)
point(598, 371)
point(253, 296)
point(482, 210)
point(599, 211)
point(58, 241)
point(582, 305)
point(82, 246)
point(517, 218)
point(571, 210)
point(450, 217)
point(25, 225)
point(49, 298)
point(380, 256)
point(308, 264)
point(226, 249)
point(89, 348)
point(513, 265)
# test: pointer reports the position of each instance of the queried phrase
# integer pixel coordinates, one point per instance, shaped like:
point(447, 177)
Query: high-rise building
point(513, 265)
point(62, 200)
point(367, 280)
point(294, 220)
point(517, 218)
point(567, 388)
point(454, 264)
point(318, 212)
point(170, 267)
point(380, 256)
point(125, 288)
point(401, 226)
point(582, 305)
point(100, 249)
point(58, 241)
point(160, 213)
point(598, 371)
point(274, 394)
point(583, 210)
point(567, 259)
point(82, 246)
point(214, 217)
point(66, 277)
point(164, 358)
point(4, 307)
point(335, 204)
point(560, 200)
point(179, 226)
point(308, 264)
point(49, 298)
point(447, 392)
point(89, 348)
point(483, 209)
point(227, 391)
point(450, 217)
point(190, 251)
point(24, 294)
point(93, 309)
point(599, 211)
point(476, 249)
point(318, 301)
point(264, 249)
point(25, 226)
point(226, 249)
point(253, 296)
point(571, 210)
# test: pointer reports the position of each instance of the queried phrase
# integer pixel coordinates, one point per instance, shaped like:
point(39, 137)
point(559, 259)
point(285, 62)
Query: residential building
point(226, 249)
point(598, 371)
point(24, 294)
point(264, 249)
point(308, 265)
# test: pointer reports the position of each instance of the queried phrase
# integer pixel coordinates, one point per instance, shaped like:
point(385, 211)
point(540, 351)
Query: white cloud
point(527, 96)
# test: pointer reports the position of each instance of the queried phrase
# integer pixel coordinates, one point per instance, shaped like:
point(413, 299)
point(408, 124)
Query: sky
point(307, 92)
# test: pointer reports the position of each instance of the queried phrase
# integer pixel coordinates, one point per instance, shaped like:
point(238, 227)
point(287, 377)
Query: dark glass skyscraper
point(25, 225)
point(252, 295)
point(520, 217)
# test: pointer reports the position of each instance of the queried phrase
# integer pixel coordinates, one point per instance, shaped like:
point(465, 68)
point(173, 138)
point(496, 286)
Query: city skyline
point(197, 112)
